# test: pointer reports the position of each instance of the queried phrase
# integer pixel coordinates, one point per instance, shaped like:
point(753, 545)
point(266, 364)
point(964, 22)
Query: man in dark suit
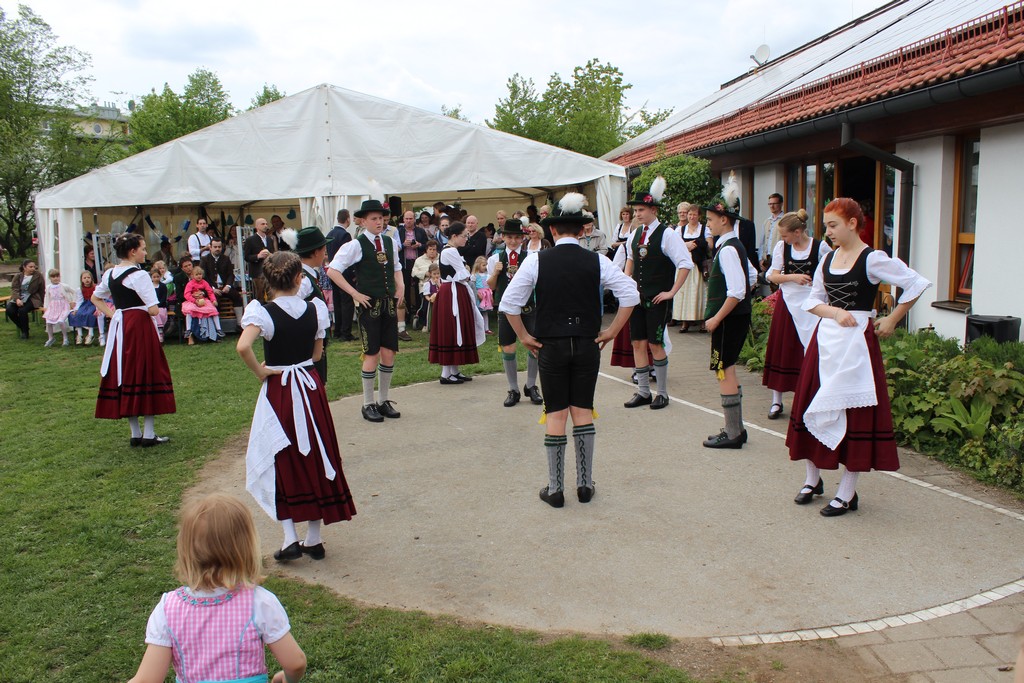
point(255, 249)
point(219, 272)
point(344, 307)
point(747, 234)
point(476, 242)
point(413, 240)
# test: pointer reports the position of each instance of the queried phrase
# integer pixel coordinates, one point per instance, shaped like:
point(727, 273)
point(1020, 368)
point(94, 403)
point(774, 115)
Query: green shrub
point(752, 353)
point(997, 353)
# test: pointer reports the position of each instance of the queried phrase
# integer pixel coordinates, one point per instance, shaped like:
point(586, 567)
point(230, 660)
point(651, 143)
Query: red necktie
point(643, 235)
point(380, 245)
point(513, 257)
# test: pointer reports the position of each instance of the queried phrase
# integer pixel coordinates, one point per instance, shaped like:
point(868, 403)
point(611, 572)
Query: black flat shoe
point(829, 511)
point(370, 413)
point(534, 394)
point(459, 375)
point(555, 500)
point(659, 402)
point(387, 409)
point(638, 400)
point(135, 441)
point(292, 552)
point(807, 493)
point(722, 440)
point(454, 379)
point(512, 398)
point(317, 551)
point(155, 441)
point(585, 493)
point(775, 412)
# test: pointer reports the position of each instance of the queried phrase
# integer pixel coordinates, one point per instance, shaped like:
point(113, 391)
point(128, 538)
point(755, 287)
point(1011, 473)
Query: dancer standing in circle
point(841, 412)
point(293, 464)
point(793, 264)
point(135, 378)
point(457, 328)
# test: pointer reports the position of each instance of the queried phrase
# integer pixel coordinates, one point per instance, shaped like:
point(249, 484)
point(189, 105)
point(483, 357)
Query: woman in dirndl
point(841, 412)
point(135, 378)
point(456, 328)
point(794, 262)
point(689, 302)
point(293, 463)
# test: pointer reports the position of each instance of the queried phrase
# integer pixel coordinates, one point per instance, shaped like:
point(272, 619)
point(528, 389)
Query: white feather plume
point(290, 237)
point(376, 191)
point(572, 202)
point(525, 220)
point(658, 189)
point(731, 191)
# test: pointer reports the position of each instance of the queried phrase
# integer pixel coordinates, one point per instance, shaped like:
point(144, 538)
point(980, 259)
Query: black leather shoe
point(775, 412)
point(463, 377)
point(829, 511)
point(585, 493)
point(512, 398)
point(317, 551)
point(155, 441)
point(292, 552)
point(555, 500)
point(370, 413)
point(534, 394)
point(722, 440)
point(387, 409)
point(659, 402)
point(638, 400)
point(807, 493)
point(454, 379)
point(135, 441)
point(404, 336)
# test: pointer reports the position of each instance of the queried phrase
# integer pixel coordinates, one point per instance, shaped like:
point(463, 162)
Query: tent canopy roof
point(327, 141)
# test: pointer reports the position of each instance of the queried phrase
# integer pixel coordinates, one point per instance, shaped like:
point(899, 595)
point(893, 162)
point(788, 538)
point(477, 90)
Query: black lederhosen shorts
point(378, 326)
point(648, 321)
point(727, 341)
point(506, 335)
point(568, 372)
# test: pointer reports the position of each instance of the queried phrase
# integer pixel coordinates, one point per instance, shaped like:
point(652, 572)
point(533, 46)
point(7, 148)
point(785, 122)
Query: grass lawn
point(88, 526)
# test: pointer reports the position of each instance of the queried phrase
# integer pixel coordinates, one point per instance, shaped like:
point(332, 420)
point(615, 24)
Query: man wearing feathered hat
point(657, 258)
point(378, 272)
point(567, 281)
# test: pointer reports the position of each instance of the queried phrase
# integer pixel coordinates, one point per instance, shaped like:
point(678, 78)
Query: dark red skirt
point(444, 349)
point(784, 355)
point(145, 380)
point(622, 350)
point(304, 493)
point(869, 443)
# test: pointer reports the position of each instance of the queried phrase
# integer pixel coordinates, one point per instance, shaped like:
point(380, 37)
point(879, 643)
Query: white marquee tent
point(321, 149)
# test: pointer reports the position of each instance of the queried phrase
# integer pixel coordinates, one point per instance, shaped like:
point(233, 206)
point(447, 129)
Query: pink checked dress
point(218, 636)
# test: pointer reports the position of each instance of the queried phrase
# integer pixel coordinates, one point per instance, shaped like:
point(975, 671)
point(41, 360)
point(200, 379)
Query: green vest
point(317, 293)
point(376, 278)
point(717, 284)
point(653, 271)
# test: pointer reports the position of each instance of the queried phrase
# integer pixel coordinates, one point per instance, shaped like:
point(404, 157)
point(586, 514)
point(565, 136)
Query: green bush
point(752, 353)
point(687, 179)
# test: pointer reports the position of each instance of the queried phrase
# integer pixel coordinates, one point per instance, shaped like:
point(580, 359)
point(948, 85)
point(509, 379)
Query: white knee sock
point(290, 536)
point(49, 331)
point(64, 331)
point(777, 398)
point(133, 422)
point(813, 475)
point(148, 429)
point(313, 534)
point(216, 322)
point(847, 486)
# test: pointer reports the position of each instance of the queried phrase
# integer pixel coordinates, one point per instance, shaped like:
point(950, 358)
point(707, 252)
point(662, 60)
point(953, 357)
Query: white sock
point(49, 331)
point(847, 487)
point(133, 422)
point(813, 475)
point(148, 430)
point(446, 371)
point(216, 322)
point(313, 534)
point(777, 398)
point(401, 328)
point(290, 536)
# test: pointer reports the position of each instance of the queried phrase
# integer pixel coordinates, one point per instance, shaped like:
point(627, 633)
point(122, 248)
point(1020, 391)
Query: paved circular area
point(679, 539)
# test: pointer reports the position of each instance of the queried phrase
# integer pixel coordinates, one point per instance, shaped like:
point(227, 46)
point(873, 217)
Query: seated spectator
point(160, 319)
point(220, 275)
point(165, 253)
point(27, 290)
point(591, 239)
point(200, 307)
point(84, 314)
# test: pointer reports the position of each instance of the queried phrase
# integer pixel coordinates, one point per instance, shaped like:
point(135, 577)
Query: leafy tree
point(269, 94)
point(453, 112)
point(585, 113)
point(40, 142)
point(161, 117)
point(687, 179)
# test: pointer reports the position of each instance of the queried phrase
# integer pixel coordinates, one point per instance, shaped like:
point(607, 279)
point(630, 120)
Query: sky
point(423, 54)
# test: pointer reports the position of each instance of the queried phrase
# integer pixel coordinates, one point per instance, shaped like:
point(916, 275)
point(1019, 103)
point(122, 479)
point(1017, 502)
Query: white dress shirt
point(672, 245)
point(736, 286)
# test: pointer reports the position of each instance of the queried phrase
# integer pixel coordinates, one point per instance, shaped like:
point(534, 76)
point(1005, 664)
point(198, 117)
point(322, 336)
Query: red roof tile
point(983, 43)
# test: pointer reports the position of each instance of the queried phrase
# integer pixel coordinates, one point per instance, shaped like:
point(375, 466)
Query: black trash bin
point(1002, 328)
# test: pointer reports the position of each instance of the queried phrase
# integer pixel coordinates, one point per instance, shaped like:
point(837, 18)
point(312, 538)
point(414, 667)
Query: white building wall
point(999, 246)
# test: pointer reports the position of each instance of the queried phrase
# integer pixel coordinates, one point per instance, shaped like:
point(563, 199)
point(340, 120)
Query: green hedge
point(960, 405)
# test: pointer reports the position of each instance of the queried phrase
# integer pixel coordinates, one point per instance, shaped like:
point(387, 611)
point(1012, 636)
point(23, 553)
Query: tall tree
point(453, 112)
point(161, 117)
point(40, 142)
point(586, 113)
point(269, 94)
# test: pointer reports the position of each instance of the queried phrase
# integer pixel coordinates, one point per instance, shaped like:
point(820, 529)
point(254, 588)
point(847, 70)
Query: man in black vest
point(311, 246)
point(568, 338)
point(378, 270)
point(344, 307)
point(657, 258)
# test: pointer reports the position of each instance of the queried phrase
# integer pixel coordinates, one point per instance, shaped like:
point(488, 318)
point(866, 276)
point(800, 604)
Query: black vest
point(293, 339)
point(506, 275)
point(700, 252)
point(717, 285)
point(851, 291)
point(808, 266)
point(568, 293)
point(447, 272)
point(121, 294)
point(653, 271)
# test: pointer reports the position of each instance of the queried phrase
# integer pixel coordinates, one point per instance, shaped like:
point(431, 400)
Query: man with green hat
point(376, 260)
point(311, 246)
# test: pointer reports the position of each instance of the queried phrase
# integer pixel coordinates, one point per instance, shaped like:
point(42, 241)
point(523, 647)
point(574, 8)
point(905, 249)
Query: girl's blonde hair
point(433, 268)
point(196, 270)
point(53, 272)
point(84, 273)
point(217, 544)
point(480, 264)
point(794, 220)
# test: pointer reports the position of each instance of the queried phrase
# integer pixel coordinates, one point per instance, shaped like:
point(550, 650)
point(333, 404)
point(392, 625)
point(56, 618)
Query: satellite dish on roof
point(761, 55)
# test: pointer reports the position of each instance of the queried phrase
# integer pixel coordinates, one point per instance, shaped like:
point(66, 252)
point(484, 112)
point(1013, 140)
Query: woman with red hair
point(841, 412)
